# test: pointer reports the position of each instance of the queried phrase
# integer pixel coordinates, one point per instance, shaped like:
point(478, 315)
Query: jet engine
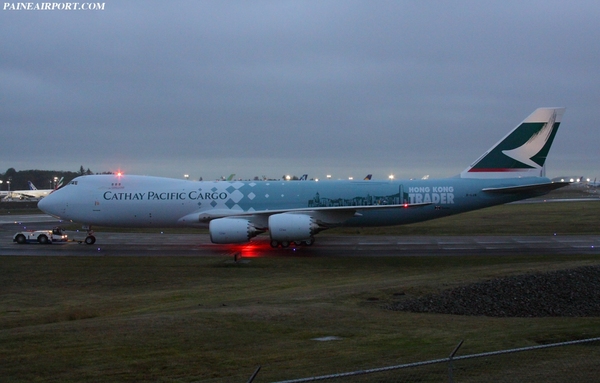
point(289, 227)
point(232, 230)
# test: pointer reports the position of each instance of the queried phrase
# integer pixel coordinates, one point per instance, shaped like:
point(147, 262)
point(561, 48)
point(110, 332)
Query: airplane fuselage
point(26, 194)
point(139, 201)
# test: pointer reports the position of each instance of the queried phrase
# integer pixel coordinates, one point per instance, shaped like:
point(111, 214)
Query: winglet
point(523, 151)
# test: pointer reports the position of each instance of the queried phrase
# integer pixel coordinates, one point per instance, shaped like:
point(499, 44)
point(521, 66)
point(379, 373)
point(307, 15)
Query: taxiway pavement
point(159, 244)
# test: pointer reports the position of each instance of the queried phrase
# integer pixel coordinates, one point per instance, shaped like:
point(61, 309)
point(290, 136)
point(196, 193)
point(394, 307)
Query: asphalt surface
point(158, 244)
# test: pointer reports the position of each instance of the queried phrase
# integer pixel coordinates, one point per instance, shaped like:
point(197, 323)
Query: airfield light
point(186, 176)
point(391, 177)
point(350, 178)
point(328, 176)
point(288, 177)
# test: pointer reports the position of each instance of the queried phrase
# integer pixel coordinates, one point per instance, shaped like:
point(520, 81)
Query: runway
point(158, 244)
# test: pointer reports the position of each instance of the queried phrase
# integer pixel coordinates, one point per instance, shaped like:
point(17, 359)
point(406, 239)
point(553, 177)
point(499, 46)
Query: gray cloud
point(253, 88)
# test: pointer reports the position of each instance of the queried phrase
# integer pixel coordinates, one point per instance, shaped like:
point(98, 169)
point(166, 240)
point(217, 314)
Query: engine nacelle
point(232, 230)
point(289, 227)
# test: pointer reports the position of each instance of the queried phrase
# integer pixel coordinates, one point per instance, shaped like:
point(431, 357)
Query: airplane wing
point(335, 214)
point(544, 188)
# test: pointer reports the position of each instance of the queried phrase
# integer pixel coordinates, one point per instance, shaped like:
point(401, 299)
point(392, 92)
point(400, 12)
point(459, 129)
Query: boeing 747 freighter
point(293, 212)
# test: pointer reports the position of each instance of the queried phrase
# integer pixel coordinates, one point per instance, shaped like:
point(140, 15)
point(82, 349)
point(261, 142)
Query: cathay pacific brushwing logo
point(533, 146)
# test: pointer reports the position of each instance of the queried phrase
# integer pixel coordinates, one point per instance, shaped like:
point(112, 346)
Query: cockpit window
point(72, 183)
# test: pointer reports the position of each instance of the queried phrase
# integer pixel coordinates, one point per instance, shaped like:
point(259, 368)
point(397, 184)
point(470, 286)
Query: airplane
point(31, 193)
point(368, 177)
point(594, 183)
point(294, 212)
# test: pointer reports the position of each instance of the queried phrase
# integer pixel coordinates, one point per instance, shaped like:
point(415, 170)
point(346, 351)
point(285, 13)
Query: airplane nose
point(50, 204)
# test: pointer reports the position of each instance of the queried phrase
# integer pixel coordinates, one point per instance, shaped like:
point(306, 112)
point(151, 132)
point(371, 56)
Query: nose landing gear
point(90, 239)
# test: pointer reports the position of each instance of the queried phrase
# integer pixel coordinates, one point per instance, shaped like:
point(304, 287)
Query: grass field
point(184, 319)
point(522, 219)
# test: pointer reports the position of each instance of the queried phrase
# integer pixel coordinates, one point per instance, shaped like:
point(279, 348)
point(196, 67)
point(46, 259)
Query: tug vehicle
point(41, 236)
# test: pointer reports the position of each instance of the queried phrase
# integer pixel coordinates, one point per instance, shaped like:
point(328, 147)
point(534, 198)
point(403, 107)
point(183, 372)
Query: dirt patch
point(564, 293)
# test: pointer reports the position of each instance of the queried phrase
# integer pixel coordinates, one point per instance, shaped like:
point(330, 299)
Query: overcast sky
point(209, 88)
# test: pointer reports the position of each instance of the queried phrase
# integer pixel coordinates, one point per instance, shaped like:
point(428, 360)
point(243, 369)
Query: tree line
point(42, 179)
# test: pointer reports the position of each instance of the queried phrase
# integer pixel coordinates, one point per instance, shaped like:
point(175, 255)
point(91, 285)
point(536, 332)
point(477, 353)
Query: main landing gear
point(284, 244)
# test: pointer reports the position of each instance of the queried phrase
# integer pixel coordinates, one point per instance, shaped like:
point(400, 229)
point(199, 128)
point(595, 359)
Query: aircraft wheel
point(21, 239)
point(90, 240)
point(285, 244)
point(43, 239)
point(309, 242)
point(274, 244)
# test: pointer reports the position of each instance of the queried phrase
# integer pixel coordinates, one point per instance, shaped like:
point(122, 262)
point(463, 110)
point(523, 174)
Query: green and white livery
point(523, 151)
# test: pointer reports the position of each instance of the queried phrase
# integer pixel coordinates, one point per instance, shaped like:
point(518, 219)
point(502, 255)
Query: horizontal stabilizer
point(541, 188)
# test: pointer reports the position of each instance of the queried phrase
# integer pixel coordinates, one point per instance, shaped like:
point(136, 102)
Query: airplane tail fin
point(59, 183)
point(523, 151)
point(31, 185)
